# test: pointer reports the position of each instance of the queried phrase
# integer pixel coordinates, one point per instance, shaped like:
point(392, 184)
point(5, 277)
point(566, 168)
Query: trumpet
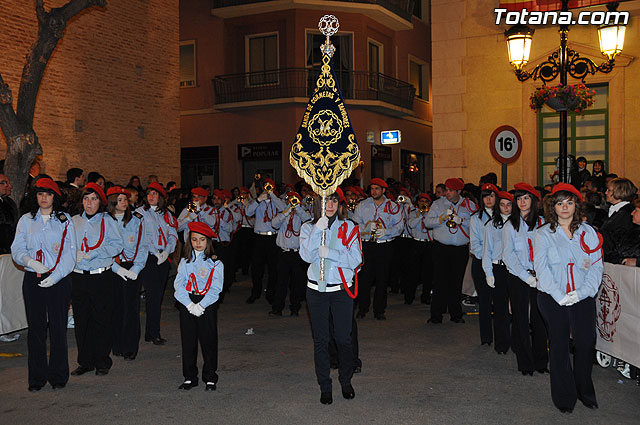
point(401, 199)
point(308, 200)
point(192, 207)
point(268, 187)
point(451, 223)
point(294, 201)
point(241, 198)
point(351, 205)
point(423, 208)
point(257, 176)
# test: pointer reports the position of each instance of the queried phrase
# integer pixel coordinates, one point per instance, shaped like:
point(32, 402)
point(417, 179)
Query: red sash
point(192, 285)
point(85, 243)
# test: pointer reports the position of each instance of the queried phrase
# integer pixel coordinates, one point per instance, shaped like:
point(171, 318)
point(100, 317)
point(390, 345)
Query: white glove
point(263, 196)
point(532, 281)
point(131, 275)
point(47, 282)
point(408, 202)
point(122, 272)
point(323, 251)
point(37, 266)
point(198, 310)
point(162, 256)
point(380, 232)
point(190, 308)
point(322, 223)
point(449, 211)
point(491, 281)
point(457, 219)
point(570, 299)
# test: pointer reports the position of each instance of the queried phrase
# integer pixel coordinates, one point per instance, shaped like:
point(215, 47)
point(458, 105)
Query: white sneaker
point(70, 322)
point(9, 338)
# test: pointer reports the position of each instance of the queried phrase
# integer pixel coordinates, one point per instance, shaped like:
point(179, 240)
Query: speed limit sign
point(505, 144)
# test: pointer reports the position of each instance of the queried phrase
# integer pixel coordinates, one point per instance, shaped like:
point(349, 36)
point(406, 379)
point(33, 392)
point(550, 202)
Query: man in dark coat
point(8, 216)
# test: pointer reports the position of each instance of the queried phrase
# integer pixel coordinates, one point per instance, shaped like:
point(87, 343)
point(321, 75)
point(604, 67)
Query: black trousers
point(265, 252)
point(528, 332)
point(500, 301)
point(375, 271)
point(243, 247)
point(420, 270)
point(224, 253)
point(449, 264)
point(154, 279)
point(333, 346)
point(126, 314)
point(41, 304)
point(291, 274)
point(339, 306)
point(92, 297)
point(203, 329)
point(579, 320)
point(485, 301)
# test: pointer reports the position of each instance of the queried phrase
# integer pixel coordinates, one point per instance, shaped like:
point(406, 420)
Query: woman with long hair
point(528, 332)
point(328, 290)
point(44, 245)
point(126, 268)
point(569, 266)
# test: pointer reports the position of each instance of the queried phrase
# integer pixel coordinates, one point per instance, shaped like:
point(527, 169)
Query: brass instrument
point(401, 199)
point(308, 200)
point(451, 224)
point(424, 208)
point(241, 198)
point(294, 201)
point(374, 226)
point(268, 187)
point(192, 207)
point(351, 205)
point(257, 176)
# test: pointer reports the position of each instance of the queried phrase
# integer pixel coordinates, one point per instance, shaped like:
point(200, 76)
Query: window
point(421, 9)
point(419, 77)
point(262, 60)
point(375, 63)
point(587, 134)
point(342, 60)
point(188, 63)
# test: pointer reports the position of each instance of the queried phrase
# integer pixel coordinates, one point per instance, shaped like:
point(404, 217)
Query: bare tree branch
point(40, 13)
point(8, 120)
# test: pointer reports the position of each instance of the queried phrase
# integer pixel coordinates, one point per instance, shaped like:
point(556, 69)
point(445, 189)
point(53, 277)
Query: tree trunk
point(17, 125)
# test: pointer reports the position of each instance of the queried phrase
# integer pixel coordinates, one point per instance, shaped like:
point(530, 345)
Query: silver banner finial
point(328, 26)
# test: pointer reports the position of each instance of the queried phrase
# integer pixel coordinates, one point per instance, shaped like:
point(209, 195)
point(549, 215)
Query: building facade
point(248, 68)
point(109, 100)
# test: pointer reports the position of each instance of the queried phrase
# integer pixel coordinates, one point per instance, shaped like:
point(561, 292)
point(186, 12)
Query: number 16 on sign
point(505, 145)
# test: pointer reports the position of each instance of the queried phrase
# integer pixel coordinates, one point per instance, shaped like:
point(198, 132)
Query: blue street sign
point(390, 137)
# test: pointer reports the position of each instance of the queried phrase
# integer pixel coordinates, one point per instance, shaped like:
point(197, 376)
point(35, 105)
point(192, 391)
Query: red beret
point(227, 193)
point(118, 190)
point(200, 191)
point(202, 228)
point(97, 189)
point(560, 187)
point(350, 189)
point(268, 180)
point(292, 193)
point(490, 187)
point(405, 191)
point(244, 190)
point(424, 196)
point(158, 188)
point(341, 197)
point(528, 188)
point(505, 195)
point(378, 182)
point(454, 184)
point(218, 193)
point(47, 183)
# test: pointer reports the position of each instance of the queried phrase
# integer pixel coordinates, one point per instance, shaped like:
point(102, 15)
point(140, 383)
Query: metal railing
point(300, 82)
point(402, 8)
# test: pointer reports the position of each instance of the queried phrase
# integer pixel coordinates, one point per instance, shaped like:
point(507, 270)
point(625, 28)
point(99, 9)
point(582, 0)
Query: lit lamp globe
point(519, 39)
point(611, 39)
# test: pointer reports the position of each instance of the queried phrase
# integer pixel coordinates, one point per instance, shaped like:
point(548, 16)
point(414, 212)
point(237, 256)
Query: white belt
point(265, 233)
point(329, 288)
point(290, 249)
point(406, 236)
point(248, 226)
point(498, 262)
point(385, 241)
point(96, 271)
point(420, 240)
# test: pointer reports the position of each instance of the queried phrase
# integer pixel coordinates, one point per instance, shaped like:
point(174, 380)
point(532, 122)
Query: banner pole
point(324, 236)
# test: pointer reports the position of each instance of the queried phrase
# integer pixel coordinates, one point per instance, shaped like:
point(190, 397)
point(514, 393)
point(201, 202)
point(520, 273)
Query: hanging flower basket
point(572, 98)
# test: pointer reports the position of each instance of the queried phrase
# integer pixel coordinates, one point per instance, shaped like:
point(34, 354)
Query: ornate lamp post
point(563, 62)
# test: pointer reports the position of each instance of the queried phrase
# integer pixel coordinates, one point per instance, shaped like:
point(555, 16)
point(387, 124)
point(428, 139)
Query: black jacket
point(8, 221)
point(614, 232)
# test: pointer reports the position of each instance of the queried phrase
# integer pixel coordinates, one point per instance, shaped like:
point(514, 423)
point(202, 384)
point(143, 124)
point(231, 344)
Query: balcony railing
point(402, 8)
point(300, 82)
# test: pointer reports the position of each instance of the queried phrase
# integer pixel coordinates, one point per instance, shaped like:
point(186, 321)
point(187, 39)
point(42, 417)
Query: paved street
point(412, 374)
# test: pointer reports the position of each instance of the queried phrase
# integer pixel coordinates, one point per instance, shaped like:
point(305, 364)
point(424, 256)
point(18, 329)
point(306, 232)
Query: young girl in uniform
point(197, 287)
point(569, 266)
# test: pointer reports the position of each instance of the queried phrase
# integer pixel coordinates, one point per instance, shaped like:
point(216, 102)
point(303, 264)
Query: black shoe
point(360, 315)
point(592, 406)
point(380, 316)
point(348, 392)
point(326, 398)
point(81, 370)
point(251, 300)
point(434, 321)
point(543, 370)
point(35, 388)
point(187, 385)
point(526, 372)
point(457, 320)
point(116, 353)
point(130, 356)
point(58, 386)
point(488, 344)
point(159, 341)
point(211, 386)
point(357, 369)
point(334, 366)
point(567, 410)
point(102, 372)
point(275, 313)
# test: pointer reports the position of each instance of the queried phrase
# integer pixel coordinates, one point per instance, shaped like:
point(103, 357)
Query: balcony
point(395, 14)
point(372, 91)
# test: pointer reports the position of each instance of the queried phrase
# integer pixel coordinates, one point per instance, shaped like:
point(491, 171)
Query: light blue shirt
point(159, 235)
point(388, 212)
point(239, 209)
point(201, 269)
point(553, 255)
point(476, 232)
point(111, 245)
point(33, 235)
point(288, 226)
point(518, 249)
point(345, 252)
point(131, 233)
point(436, 220)
point(492, 247)
point(264, 212)
point(418, 227)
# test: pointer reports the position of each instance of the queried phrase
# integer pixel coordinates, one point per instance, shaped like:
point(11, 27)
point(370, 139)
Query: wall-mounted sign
point(381, 153)
point(260, 151)
point(390, 137)
point(505, 144)
point(371, 137)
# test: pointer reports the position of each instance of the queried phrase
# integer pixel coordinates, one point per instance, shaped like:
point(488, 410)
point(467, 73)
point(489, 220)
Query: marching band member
point(264, 208)
point(127, 266)
point(400, 268)
point(488, 196)
point(422, 265)
point(449, 218)
point(528, 332)
point(290, 267)
point(223, 226)
point(381, 221)
point(44, 245)
point(161, 237)
point(569, 267)
point(243, 234)
point(342, 255)
point(98, 240)
point(495, 271)
point(351, 196)
point(197, 285)
point(200, 211)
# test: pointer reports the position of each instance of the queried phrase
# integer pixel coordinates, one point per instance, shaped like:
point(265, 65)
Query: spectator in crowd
point(491, 178)
point(97, 178)
point(620, 193)
point(440, 189)
point(134, 182)
point(583, 173)
point(598, 174)
point(75, 181)
point(152, 179)
point(8, 215)
point(630, 246)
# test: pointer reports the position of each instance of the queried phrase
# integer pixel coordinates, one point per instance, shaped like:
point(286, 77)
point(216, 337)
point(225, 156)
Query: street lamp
point(563, 62)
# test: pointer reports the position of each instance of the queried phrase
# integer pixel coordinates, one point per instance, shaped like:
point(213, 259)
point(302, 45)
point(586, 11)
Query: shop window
point(188, 63)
